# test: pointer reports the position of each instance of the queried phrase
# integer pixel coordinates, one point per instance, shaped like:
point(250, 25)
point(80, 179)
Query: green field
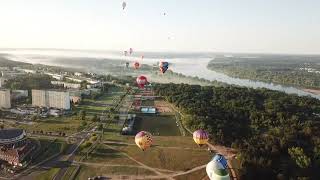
point(91, 171)
point(147, 103)
point(49, 147)
point(164, 125)
point(99, 105)
point(67, 125)
point(48, 175)
point(167, 155)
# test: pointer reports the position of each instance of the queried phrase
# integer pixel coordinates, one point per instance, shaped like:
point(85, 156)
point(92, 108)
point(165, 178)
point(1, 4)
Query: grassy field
point(99, 105)
point(48, 175)
point(54, 124)
point(91, 171)
point(49, 147)
point(176, 154)
point(147, 103)
point(157, 125)
point(176, 159)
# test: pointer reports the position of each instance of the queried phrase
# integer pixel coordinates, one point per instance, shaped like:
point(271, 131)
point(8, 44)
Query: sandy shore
point(313, 91)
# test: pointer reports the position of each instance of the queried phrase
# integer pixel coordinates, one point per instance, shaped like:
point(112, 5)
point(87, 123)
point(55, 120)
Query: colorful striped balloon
point(201, 137)
point(143, 140)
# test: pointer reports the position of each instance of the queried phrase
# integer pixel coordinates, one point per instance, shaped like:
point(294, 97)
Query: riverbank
point(313, 91)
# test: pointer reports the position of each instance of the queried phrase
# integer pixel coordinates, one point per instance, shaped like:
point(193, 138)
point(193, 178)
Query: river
point(191, 65)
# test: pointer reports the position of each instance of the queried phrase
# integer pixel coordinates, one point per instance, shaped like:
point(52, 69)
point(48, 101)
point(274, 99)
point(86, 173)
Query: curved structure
point(14, 146)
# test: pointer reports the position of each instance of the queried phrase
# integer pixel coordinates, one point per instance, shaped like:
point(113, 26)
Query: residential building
point(51, 98)
point(5, 100)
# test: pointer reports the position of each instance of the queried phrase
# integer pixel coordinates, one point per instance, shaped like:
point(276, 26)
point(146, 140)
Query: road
point(70, 153)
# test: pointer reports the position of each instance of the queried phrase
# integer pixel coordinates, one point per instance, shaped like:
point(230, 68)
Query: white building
point(51, 98)
point(78, 74)
point(2, 81)
point(67, 85)
point(5, 100)
point(55, 76)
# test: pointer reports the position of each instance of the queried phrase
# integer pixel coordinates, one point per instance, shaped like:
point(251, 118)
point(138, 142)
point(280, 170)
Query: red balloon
point(142, 81)
point(136, 65)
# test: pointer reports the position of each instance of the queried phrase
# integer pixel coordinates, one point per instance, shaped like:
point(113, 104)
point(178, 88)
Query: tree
point(297, 155)
point(316, 152)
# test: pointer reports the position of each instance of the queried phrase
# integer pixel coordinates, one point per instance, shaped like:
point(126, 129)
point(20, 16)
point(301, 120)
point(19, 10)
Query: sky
point(249, 26)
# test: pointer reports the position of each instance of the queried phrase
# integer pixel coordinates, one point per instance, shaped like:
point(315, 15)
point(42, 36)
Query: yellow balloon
point(143, 140)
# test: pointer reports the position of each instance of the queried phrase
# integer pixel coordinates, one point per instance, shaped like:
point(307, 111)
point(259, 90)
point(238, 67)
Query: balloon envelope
point(136, 65)
point(163, 66)
point(217, 168)
point(143, 140)
point(200, 137)
point(141, 81)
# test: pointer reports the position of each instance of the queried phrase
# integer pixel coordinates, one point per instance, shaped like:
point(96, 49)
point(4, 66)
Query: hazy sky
point(279, 26)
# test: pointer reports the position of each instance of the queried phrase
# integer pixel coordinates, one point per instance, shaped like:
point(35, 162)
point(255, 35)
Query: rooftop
point(10, 133)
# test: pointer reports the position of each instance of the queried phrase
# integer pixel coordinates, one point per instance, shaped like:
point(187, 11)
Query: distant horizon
point(160, 51)
point(247, 26)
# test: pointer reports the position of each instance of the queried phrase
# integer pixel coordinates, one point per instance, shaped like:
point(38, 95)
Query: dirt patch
point(162, 106)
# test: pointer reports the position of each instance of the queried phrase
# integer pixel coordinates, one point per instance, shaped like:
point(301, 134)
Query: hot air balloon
point(124, 5)
point(217, 168)
point(142, 81)
point(127, 64)
point(130, 51)
point(201, 137)
point(136, 65)
point(125, 53)
point(143, 140)
point(163, 66)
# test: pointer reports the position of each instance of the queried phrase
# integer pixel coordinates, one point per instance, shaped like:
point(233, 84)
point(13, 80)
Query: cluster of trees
point(272, 69)
point(29, 82)
point(277, 135)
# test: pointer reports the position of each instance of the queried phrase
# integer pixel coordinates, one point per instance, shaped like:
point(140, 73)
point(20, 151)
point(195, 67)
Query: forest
point(29, 82)
point(277, 134)
point(299, 71)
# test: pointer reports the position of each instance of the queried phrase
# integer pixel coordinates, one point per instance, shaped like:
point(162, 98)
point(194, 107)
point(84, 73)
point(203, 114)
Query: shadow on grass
point(115, 144)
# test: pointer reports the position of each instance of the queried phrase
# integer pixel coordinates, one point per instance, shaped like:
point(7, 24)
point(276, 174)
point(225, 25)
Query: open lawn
point(91, 171)
point(99, 105)
point(179, 155)
point(176, 159)
point(67, 125)
point(147, 103)
point(157, 125)
point(49, 147)
point(48, 175)
point(102, 154)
